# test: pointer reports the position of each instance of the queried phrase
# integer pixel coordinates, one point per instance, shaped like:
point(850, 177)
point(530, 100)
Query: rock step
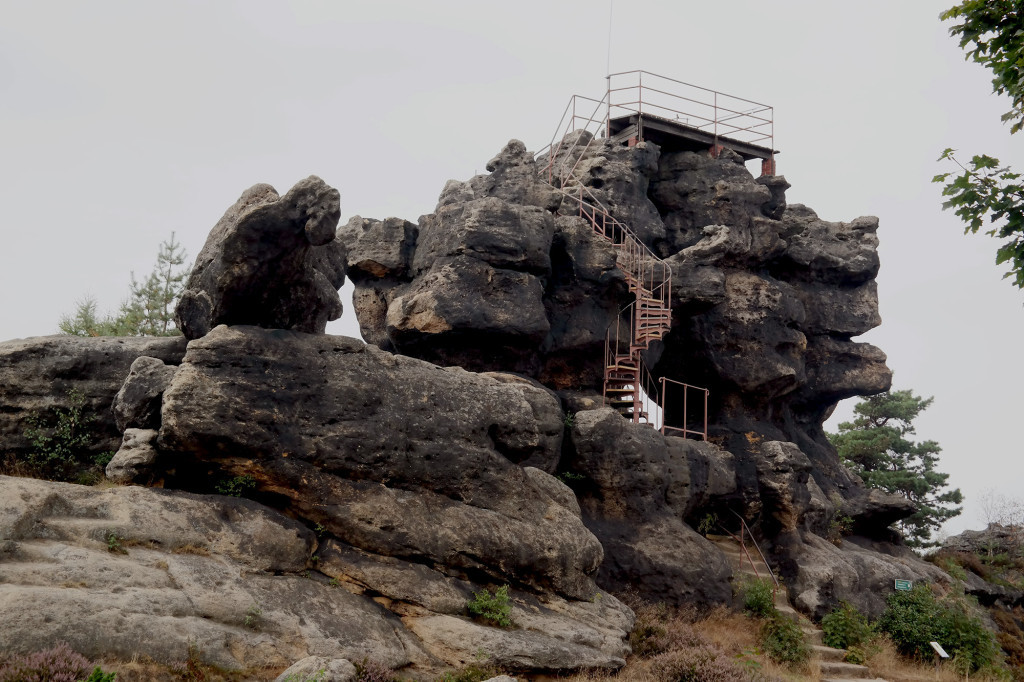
point(827, 653)
point(814, 636)
point(846, 671)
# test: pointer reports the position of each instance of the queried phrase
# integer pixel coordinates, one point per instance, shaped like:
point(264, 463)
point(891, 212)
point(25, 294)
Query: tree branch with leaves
point(985, 190)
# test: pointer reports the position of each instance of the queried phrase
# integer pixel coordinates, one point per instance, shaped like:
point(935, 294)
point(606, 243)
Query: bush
point(237, 486)
point(59, 664)
point(914, 619)
point(98, 675)
point(59, 443)
point(783, 640)
point(846, 627)
point(759, 597)
point(495, 609)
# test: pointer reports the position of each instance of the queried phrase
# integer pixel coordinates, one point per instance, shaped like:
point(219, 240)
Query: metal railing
point(685, 388)
point(744, 532)
point(723, 115)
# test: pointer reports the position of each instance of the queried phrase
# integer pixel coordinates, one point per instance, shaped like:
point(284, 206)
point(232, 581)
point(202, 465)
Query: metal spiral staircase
point(628, 385)
point(676, 115)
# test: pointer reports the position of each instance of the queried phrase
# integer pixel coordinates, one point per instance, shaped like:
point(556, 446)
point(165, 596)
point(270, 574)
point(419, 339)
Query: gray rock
point(820, 574)
point(390, 454)
point(271, 261)
point(639, 487)
point(135, 461)
point(319, 669)
point(37, 374)
point(379, 249)
point(137, 404)
point(220, 572)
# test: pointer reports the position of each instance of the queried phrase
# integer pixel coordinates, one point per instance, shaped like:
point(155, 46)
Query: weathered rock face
point(766, 300)
point(491, 280)
point(390, 454)
point(819, 573)
point(251, 586)
point(637, 489)
point(189, 569)
point(270, 261)
point(37, 374)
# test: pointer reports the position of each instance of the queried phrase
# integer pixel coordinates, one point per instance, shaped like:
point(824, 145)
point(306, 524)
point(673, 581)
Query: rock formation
point(271, 261)
point(390, 482)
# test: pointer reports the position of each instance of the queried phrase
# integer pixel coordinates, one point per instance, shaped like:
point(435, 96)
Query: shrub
point(59, 442)
point(914, 619)
point(237, 486)
point(846, 627)
point(98, 675)
point(495, 609)
point(783, 640)
point(759, 598)
point(253, 618)
point(59, 664)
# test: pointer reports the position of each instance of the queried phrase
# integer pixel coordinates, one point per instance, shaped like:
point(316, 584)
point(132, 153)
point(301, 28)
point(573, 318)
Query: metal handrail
point(755, 119)
point(745, 528)
point(686, 387)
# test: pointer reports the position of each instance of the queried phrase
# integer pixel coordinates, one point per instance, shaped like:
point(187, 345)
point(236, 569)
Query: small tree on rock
point(149, 310)
point(875, 447)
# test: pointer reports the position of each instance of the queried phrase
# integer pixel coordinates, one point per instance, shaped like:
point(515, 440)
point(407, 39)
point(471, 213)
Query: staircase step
point(846, 671)
point(827, 653)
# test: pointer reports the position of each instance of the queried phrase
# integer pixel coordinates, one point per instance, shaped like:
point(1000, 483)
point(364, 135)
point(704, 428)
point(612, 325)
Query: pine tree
point(875, 446)
point(149, 309)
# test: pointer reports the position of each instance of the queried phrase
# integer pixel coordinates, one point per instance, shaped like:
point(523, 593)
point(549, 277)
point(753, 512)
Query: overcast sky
point(121, 122)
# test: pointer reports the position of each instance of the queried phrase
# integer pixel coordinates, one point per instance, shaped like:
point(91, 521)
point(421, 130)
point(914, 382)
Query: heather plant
point(59, 664)
point(372, 670)
point(698, 664)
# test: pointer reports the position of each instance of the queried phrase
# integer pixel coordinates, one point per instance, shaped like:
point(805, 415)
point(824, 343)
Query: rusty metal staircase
point(628, 385)
point(640, 106)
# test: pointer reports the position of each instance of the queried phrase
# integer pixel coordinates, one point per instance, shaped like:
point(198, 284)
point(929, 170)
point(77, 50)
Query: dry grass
point(198, 550)
point(888, 664)
point(144, 669)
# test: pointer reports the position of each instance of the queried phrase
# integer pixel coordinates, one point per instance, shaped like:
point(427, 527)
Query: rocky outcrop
point(124, 571)
point(433, 463)
point(38, 374)
point(820, 573)
point(637, 489)
point(270, 261)
point(492, 280)
point(129, 570)
point(390, 454)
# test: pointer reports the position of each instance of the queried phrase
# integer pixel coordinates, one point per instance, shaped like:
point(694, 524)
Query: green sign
point(903, 585)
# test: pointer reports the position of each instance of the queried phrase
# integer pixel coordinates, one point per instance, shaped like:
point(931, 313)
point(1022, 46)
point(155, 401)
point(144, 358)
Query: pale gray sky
point(121, 122)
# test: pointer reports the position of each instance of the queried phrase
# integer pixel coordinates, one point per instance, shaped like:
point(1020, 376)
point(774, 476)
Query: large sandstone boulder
point(637, 489)
point(493, 279)
point(270, 261)
point(390, 454)
point(127, 571)
point(38, 374)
